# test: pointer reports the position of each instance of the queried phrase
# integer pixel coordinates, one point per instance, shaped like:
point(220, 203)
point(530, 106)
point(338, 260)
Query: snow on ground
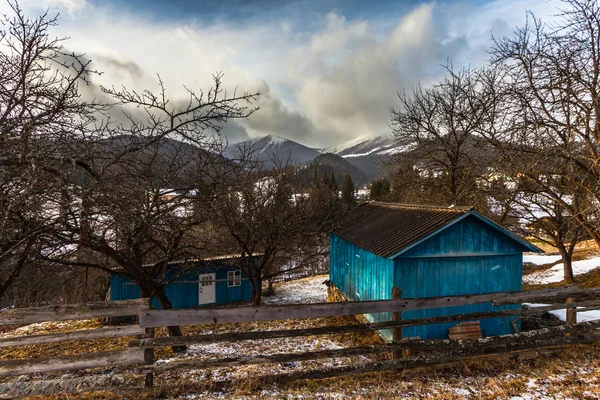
point(572, 382)
point(582, 316)
point(301, 291)
point(556, 273)
point(540, 259)
point(308, 290)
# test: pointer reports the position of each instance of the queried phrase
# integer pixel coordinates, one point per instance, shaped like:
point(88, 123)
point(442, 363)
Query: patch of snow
point(351, 143)
point(540, 259)
point(582, 316)
point(399, 149)
point(276, 140)
point(362, 154)
point(302, 291)
point(556, 274)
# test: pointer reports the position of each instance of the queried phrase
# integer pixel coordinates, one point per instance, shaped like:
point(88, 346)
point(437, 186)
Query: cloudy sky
point(329, 70)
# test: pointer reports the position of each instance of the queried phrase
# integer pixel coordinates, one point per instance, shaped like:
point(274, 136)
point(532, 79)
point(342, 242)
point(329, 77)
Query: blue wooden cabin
point(426, 251)
point(197, 283)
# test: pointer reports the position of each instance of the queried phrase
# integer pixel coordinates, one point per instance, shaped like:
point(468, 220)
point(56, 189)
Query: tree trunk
point(270, 289)
point(257, 291)
point(567, 259)
point(165, 304)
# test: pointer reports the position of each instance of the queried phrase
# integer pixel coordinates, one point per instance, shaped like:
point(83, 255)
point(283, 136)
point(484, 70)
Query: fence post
point(148, 353)
point(396, 332)
point(571, 312)
point(149, 359)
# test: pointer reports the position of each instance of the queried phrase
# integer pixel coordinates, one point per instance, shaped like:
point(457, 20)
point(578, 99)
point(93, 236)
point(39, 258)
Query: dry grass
point(575, 373)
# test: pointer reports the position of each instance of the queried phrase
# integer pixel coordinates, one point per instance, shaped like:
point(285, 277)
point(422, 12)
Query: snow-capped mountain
point(369, 153)
point(365, 146)
point(366, 153)
point(267, 147)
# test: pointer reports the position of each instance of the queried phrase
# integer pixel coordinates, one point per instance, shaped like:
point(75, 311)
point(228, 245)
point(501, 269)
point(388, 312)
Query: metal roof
point(206, 259)
point(387, 228)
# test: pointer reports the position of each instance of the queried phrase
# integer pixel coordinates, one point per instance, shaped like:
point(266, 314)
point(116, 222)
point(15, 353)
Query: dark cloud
point(275, 118)
point(124, 68)
point(234, 132)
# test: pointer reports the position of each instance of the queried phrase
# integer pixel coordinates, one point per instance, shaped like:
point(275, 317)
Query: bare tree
point(441, 124)
point(140, 207)
point(548, 125)
point(545, 219)
point(274, 224)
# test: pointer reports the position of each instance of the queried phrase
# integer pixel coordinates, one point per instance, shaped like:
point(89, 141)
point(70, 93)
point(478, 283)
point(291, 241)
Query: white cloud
point(71, 7)
point(320, 87)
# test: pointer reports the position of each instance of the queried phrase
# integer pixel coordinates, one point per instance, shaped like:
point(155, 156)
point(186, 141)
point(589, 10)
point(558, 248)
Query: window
point(206, 280)
point(234, 278)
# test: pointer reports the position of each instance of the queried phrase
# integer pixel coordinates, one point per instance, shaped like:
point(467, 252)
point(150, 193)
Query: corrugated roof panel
point(387, 228)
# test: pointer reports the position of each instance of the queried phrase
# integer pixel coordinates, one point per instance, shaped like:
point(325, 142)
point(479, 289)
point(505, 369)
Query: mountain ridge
point(367, 153)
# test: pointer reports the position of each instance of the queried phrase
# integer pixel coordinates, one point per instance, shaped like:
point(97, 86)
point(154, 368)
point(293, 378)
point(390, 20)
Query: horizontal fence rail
point(157, 318)
point(114, 383)
point(70, 362)
point(332, 330)
point(23, 316)
point(85, 334)
point(584, 333)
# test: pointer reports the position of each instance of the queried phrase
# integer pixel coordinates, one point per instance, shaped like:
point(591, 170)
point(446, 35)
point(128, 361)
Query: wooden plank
point(23, 316)
point(157, 318)
point(329, 330)
point(87, 334)
point(149, 359)
point(571, 312)
point(396, 332)
point(465, 330)
point(11, 390)
point(433, 348)
point(70, 362)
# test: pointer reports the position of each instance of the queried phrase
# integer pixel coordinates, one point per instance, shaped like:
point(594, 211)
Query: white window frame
point(234, 278)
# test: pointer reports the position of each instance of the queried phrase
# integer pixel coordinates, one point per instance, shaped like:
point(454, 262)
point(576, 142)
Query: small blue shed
point(196, 283)
point(426, 251)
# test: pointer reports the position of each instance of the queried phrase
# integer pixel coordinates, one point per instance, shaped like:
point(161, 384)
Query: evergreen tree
point(348, 198)
point(333, 183)
point(315, 180)
point(375, 190)
point(385, 188)
point(325, 179)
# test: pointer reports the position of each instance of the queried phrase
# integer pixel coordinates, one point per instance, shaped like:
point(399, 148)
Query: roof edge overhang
point(526, 245)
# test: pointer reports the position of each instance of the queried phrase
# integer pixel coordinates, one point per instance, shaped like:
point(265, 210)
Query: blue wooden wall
point(467, 236)
point(453, 276)
point(185, 295)
point(361, 275)
point(468, 257)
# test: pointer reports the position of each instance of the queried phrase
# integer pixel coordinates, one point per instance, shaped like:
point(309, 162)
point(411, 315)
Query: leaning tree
point(114, 195)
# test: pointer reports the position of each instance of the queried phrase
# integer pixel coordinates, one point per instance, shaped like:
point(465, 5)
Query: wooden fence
point(139, 356)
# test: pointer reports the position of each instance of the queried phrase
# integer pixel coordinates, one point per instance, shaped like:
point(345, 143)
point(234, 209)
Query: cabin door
point(206, 289)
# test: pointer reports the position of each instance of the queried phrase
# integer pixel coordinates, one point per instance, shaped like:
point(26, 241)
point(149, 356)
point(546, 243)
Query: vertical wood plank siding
point(467, 236)
point(361, 275)
point(185, 295)
point(468, 257)
point(432, 277)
